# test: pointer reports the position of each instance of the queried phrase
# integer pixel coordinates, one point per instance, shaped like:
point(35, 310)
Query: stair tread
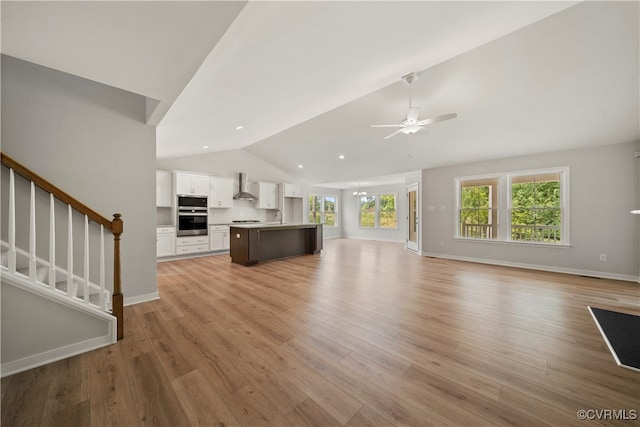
point(42, 274)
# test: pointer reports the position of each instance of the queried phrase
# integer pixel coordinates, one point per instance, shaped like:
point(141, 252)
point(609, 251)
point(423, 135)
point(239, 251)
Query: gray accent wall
point(603, 189)
point(48, 330)
point(90, 140)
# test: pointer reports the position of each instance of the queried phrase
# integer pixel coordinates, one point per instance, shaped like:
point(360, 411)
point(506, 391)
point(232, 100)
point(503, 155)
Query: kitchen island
point(254, 243)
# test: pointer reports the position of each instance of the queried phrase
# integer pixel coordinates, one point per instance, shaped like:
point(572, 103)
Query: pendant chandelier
point(359, 193)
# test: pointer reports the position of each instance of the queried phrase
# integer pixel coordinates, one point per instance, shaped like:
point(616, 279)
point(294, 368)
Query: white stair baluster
point(11, 255)
point(52, 242)
point(71, 286)
point(102, 271)
point(33, 263)
point(86, 259)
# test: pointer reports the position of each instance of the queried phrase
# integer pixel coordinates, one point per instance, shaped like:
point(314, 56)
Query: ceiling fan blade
point(387, 126)
point(395, 133)
point(437, 119)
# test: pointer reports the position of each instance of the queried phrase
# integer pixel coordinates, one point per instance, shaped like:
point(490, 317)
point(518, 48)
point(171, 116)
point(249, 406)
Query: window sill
point(513, 242)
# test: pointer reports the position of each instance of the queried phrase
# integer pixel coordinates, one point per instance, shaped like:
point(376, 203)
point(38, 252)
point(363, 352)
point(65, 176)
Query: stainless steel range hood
point(243, 193)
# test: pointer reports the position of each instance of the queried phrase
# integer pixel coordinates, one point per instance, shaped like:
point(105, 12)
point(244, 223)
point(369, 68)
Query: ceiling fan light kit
point(412, 123)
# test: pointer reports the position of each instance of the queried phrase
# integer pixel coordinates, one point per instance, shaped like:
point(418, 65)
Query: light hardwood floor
point(366, 334)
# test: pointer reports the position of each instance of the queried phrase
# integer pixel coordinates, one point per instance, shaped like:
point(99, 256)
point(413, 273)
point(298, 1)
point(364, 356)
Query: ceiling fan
point(412, 123)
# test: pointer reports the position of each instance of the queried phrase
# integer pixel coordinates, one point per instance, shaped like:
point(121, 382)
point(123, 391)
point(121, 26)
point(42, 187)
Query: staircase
point(56, 299)
point(98, 298)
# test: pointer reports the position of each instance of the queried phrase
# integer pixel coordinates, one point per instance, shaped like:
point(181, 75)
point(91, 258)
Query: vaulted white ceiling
point(307, 79)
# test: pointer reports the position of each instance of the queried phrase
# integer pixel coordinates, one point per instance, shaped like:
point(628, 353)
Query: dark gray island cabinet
point(254, 243)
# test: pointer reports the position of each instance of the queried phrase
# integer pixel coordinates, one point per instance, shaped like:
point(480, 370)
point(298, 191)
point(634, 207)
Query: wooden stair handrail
point(57, 193)
point(115, 227)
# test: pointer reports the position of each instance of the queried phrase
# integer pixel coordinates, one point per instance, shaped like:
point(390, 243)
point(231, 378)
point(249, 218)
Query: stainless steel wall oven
point(192, 216)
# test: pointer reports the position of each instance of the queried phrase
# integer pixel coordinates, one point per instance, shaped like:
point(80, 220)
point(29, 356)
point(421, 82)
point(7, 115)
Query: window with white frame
point(536, 206)
point(323, 209)
point(478, 208)
point(378, 211)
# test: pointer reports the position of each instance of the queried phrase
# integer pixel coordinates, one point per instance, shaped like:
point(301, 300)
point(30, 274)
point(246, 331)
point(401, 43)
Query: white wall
point(603, 189)
point(90, 140)
point(227, 164)
point(351, 209)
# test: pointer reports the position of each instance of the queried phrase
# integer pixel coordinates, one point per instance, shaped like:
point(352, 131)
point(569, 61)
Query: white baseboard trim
point(552, 269)
point(141, 298)
point(374, 239)
point(54, 355)
point(189, 256)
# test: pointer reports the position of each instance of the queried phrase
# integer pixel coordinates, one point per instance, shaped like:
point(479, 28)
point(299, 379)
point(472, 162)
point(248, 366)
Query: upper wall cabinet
point(164, 195)
point(292, 190)
point(220, 192)
point(193, 184)
point(267, 193)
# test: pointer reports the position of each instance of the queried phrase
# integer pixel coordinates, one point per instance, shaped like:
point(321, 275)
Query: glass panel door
point(413, 220)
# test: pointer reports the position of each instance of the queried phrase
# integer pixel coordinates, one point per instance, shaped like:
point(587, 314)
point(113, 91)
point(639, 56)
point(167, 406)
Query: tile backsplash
point(241, 210)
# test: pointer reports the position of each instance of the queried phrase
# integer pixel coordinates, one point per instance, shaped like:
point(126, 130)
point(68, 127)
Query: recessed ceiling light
point(239, 127)
point(205, 147)
point(341, 156)
point(300, 166)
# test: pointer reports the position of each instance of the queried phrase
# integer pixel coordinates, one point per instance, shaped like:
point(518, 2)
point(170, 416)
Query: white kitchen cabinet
point(292, 190)
point(220, 192)
point(267, 193)
point(165, 241)
point(192, 244)
point(219, 237)
point(164, 184)
point(192, 184)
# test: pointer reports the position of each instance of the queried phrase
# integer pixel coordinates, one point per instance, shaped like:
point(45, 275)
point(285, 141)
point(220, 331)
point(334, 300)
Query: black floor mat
point(621, 332)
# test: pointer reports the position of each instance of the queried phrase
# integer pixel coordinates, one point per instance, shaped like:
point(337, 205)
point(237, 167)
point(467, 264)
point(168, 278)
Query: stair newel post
point(86, 259)
point(102, 269)
point(11, 255)
point(117, 299)
point(33, 264)
point(52, 242)
point(71, 291)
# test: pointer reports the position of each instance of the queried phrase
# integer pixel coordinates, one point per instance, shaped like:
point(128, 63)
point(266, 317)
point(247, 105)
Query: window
point(330, 211)
point(536, 212)
point(368, 211)
point(388, 211)
point(536, 207)
point(378, 211)
point(478, 208)
point(323, 209)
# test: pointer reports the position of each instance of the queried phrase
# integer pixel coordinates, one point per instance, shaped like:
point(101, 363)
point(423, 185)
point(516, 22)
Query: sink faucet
point(278, 211)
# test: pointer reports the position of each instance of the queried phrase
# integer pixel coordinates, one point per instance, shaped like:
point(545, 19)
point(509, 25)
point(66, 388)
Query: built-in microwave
point(192, 216)
point(191, 202)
